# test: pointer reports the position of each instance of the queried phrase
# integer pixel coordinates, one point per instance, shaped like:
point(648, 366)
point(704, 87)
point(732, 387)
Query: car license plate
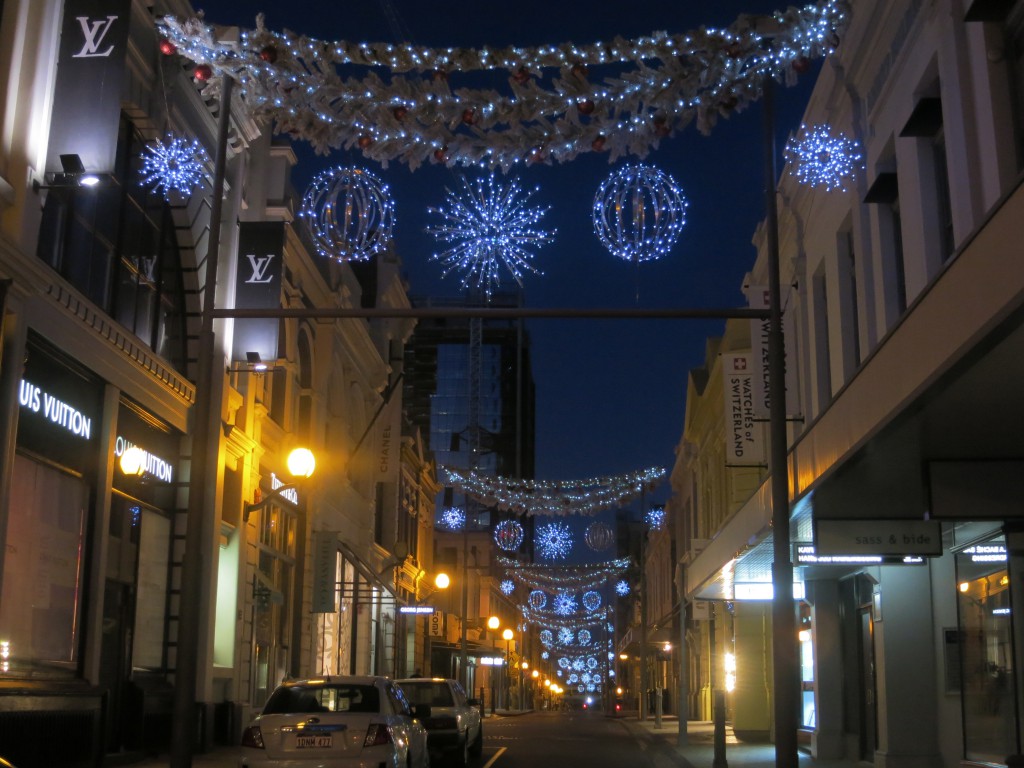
point(316, 740)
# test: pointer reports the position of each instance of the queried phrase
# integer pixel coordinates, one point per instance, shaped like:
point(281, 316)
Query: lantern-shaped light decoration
point(591, 600)
point(819, 157)
point(638, 213)
point(599, 536)
point(508, 535)
point(349, 214)
point(538, 599)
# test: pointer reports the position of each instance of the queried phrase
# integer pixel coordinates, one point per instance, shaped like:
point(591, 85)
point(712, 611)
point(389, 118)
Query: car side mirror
point(421, 711)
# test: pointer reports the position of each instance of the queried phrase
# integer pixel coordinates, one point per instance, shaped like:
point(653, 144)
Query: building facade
point(903, 308)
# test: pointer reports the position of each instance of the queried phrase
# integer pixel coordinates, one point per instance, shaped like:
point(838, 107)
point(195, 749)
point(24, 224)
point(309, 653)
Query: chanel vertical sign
point(87, 94)
point(258, 286)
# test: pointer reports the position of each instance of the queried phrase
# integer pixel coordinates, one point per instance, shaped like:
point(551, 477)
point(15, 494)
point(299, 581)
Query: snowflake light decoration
point(655, 518)
point(591, 600)
point(565, 636)
point(554, 540)
point(453, 518)
point(508, 535)
point(489, 227)
point(579, 664)
point(538, 599)
point(176, 165)
point(564, 603)
point(545, 655)
point(819, 158)
point(349, 214)
point(507, 586)
point(639, 212)
point(621, 588)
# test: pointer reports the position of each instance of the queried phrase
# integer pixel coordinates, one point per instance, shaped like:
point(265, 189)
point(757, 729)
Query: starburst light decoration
point(554, 541)
point(639, 212)
point(591, 600)
point(545, 655)
point(817, 157)
point(507, 586)
point(489, 227)
point(621, 588)
point(453, 518)
point(564, 603)
point(508, 535)
point(349, 214)
point(174, 165)
point(655, 518)
point(565, 636)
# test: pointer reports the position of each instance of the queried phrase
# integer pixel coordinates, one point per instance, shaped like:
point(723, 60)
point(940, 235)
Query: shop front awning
point(373, 579)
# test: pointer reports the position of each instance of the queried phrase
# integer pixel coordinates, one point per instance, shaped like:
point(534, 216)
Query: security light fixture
point(73, 174)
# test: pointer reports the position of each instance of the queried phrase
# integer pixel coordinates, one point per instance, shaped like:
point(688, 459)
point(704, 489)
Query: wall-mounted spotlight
point(73, 174)
point(253, 364)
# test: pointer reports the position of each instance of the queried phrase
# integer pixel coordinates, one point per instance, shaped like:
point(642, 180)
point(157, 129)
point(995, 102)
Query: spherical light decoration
point(564, 603)
point(565, 636)
point(553, 540)
point(508, 535)
point(591, 662)
point(538, 599)
point(349, 214)
point(583, 637)
point(507, 586)
point(820, 158)
point(453, 518)
point(655, 518)
point(599, 536)
point(488, 227)
point(573, 679)
point(591, 600)
point(621, 588)
point(639, 212)
point(547, 637)
point(174, 165)
point(564, 662)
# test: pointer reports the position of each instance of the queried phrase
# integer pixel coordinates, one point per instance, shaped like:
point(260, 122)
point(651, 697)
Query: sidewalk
point(699, 751)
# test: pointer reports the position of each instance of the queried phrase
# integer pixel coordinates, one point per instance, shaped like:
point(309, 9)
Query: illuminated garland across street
point(405, 108)
point(531, 497)
point(563, 577)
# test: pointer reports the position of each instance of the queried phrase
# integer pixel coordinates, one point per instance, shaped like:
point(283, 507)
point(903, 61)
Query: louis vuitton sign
point(258, 286)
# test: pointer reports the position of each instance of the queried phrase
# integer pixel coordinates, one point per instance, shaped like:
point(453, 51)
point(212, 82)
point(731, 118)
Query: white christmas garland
point(546, 497)
point(405, 108)
point(552, 578)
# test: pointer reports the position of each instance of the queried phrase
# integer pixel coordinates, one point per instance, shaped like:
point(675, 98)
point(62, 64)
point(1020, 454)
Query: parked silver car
point(346, 722)
point(454, 728)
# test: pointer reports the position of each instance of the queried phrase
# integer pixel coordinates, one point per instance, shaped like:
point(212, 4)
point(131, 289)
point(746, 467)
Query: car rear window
point(296, 699)
point(433, 694)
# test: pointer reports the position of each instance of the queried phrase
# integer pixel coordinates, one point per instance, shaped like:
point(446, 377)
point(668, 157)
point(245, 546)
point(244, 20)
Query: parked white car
point(455, 728)
point(344, 722)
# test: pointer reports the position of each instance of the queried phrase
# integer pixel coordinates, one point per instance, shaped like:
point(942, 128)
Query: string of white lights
point(413, 115)
point(574, 497)
point(565, 577)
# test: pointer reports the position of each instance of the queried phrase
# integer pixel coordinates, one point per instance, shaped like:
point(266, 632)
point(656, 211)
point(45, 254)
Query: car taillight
point(618, 707)
point(252, 737)
point(377, 734)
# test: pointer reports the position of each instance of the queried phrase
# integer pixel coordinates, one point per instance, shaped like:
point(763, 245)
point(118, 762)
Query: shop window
point(986, 653)
point(116, 243)
point(41, 604)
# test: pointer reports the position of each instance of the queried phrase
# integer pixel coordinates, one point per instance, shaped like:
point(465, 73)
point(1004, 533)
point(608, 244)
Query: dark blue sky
point(610, 394)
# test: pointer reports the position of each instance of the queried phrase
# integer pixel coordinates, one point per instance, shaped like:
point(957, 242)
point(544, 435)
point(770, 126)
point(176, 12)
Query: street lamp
point(301, 465)
point(523, 666)
point(507, 635)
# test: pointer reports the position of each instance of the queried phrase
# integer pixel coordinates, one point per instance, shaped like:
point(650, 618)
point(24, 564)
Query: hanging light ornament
point(545, 655)
point(488, 227)
point(638, 213)
point(554, 541)
point(547, 637)
point(819, 158)
point(349, 214)
point(583, 637)
point(591, 600)
point(507, 586)
point(565, 636)
point(655, 518)
point(175, 165)
point(453, 518)
point(622, 588)
point(564, 603)
point(538, 599)
point(508, 535)
point(599, 536)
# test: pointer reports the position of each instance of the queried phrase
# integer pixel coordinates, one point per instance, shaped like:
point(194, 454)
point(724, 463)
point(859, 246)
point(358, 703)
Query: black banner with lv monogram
point(258, 286)
point(87, 94)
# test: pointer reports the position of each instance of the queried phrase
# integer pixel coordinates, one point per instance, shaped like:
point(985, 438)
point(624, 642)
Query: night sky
point(610, 394)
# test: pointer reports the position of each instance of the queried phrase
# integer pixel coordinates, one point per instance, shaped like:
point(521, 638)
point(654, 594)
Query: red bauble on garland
point(585, 107)
point(522, 76)
point(167, 48)
point(580, 71)
point(400, 112)
point(202, 73)
point(598, 143)
point(441, 155)
point(468, 116)
point(801, 65)
point(269, 54)
point(364, 141)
